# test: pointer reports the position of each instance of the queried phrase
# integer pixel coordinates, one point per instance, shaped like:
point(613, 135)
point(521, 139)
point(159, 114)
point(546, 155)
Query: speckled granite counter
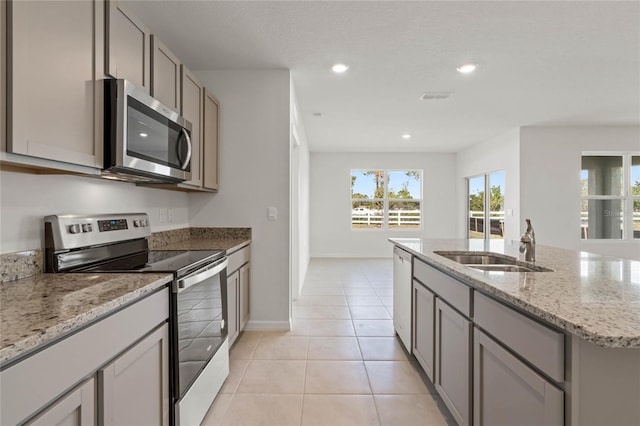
point(45, 307)
point(594, 297)
point(228, 239)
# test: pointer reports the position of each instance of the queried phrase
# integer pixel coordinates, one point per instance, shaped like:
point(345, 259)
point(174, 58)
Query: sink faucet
point(528, 243)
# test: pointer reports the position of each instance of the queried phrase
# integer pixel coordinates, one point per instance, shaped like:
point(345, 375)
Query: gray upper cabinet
point(210, 139)
point(54, 103)
point(165, 74)
point(508, 392)
point(3, 77)
point(128, 46)
point(191, 109)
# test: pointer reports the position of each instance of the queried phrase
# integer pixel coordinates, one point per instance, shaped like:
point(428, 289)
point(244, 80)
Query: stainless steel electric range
point(199, 352)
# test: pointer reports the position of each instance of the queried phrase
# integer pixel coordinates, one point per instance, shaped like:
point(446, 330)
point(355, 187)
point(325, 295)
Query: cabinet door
point(402, 296)
point(128, 44)
point(135, 386)
point(3, 77)
point(424, 305)
point(191, 109)
point(233, 285)
point(507, 392)
point(453, 361)
point(244, 296)
point(54, 102)
point(210, 139)
point(165, 74)
point(77, 408)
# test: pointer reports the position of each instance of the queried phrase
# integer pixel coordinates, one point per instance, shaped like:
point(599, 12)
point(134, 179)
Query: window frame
point(386, 200)
point(627, 198)
point(486, 235)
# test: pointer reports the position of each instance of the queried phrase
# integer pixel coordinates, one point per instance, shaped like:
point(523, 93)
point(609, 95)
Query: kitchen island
point(572, 333)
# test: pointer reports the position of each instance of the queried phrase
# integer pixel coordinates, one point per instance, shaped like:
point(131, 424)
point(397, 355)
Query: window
point(386, 199)
point(610, 197)
point(486, 200)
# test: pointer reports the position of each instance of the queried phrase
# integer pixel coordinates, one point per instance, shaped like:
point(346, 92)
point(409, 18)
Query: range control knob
point(86, 227)
point(136, 223)
point(75, 228)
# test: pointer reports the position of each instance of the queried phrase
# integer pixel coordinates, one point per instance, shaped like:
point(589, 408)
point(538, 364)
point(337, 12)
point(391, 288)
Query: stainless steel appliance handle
point(200, 275)
point(184, 165)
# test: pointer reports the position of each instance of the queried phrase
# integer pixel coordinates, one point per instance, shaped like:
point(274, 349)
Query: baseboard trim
point(267, 325)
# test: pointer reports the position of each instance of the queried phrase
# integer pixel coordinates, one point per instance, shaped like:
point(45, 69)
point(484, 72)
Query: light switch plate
point(272, 213)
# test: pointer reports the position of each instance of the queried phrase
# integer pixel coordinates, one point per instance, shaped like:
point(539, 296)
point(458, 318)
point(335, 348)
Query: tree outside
point(403, 193)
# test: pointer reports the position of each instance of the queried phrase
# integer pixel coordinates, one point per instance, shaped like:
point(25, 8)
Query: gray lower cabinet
point(243, 302)
point(77, 408)
point(238, 289)
point(233, 325)
point(119, 363)
point(424, 305)
point(135, 387)
point(508, 392)
point(453, 361)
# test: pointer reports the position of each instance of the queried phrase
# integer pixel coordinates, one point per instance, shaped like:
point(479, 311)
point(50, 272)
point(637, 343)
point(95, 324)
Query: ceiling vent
point(435, 96)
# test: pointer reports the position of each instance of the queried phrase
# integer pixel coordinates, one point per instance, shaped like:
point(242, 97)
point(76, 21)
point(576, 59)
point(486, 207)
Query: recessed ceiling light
point(143, 135)
point(467, 68)
point(406, 136)
point(317, 114)
point(339, 68)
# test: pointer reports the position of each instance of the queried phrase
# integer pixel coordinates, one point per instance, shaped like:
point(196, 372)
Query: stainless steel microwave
point(144, 141)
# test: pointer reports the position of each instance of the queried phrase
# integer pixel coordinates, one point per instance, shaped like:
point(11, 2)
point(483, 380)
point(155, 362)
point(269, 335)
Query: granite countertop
point(228, 239)
point(594, 297)
point(46, 307)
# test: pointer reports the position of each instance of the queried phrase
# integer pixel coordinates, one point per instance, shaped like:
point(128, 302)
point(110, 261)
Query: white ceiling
point(541, 63)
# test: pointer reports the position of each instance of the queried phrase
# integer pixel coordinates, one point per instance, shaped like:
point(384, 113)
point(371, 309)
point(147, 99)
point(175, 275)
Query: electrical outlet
point(162, 216)
point(170, 215)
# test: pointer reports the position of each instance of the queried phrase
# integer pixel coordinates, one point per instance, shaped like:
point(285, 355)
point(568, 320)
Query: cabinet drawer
point(238, 258)
point(540, 345)
point(508, 392)
point(452, 291)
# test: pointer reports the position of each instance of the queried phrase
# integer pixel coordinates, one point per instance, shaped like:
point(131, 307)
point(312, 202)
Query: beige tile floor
point(341, 363)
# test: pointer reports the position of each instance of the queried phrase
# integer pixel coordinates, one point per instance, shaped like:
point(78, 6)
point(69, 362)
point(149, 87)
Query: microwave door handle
point(200, 276)
point(184, 165)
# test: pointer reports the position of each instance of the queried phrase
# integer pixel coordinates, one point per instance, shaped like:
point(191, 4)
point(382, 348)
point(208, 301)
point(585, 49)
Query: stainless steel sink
point(485, 261)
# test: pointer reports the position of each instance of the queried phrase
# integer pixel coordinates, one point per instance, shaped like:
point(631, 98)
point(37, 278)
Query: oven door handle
point(199, 276)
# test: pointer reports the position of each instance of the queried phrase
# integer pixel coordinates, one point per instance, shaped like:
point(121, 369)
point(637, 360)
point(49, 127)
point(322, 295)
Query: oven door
point(199, 326)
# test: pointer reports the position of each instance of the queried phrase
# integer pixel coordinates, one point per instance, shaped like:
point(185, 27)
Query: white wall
point(299, 199)
point(331, 233)
point(27, 198)
point(254, 174)
point(499, 153)
point(550, 163)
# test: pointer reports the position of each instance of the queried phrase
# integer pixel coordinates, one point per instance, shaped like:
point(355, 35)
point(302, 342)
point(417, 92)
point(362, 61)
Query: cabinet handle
point(186, 160)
